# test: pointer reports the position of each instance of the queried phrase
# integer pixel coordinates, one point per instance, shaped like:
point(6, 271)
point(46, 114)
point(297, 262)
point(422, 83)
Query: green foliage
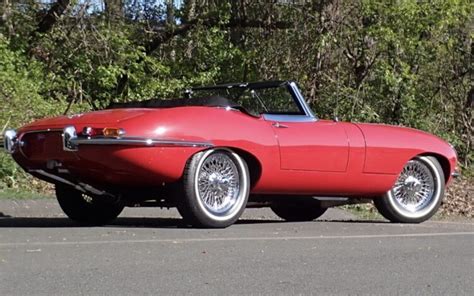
point(21, 84)
point(403, 62)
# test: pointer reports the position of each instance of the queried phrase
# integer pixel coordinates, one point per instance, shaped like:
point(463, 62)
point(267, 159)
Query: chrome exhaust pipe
point(82, 187)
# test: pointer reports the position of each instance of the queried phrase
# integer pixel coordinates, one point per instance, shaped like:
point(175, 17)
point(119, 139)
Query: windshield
point(268, 100)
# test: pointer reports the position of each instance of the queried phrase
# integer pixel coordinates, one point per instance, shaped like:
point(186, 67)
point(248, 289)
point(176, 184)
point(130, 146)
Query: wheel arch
point(254, 165)
point(443, 161)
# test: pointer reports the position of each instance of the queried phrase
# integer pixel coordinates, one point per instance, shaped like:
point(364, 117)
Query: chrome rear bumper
point(10, 141)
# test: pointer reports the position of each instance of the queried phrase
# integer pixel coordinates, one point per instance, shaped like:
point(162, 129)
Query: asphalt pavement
point(149, 252)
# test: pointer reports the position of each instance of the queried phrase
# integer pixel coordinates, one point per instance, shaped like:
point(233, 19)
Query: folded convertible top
point(214, 101)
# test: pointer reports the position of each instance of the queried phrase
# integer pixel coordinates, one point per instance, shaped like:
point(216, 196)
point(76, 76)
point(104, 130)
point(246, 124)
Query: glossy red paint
point(320, 157)
point(313, 146)
point(393, 146)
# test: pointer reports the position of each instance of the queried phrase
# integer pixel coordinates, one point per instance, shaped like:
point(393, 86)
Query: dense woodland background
point(400, 62)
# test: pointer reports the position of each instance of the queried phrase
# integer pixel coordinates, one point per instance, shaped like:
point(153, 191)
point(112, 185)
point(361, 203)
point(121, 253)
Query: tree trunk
point(114, 8)
point(5, 18)
point(170, 12)
point(189, 10)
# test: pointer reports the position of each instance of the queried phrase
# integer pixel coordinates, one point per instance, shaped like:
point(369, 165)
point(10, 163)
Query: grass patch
point(365, 211)
point(19, 194)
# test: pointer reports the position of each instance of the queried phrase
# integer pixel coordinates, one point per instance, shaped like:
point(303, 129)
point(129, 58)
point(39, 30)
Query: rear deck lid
point(97, 117)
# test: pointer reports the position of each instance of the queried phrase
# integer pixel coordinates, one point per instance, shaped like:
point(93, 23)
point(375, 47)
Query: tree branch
point(52, 16)
point(182, 29)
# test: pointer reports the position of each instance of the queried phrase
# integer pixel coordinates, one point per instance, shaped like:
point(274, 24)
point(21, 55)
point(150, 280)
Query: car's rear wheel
point(417, 193)
point(216, 189)
point(86, 209)
point(298, 210)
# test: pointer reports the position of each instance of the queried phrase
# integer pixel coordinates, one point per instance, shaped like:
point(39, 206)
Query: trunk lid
point(108, 117)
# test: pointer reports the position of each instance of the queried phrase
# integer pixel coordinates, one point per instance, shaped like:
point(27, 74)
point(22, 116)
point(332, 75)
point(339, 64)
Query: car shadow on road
point(351, 221)
point(59, 222)
point(140, 222)
point(2, 215)
point(132, 222)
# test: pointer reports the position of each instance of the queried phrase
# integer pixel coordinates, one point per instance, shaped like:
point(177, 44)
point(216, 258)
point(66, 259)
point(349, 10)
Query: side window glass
point(279, 100)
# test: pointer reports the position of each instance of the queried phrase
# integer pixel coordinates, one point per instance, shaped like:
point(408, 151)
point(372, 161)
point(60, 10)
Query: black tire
point(417, 193)
point(218, 175)
point(297, 210)
point(86, 209)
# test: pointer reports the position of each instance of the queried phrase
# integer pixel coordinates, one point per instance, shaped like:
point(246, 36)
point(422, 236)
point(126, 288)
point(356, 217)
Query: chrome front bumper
point(71, 141)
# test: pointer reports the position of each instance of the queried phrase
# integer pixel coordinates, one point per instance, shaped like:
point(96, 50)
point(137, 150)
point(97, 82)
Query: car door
point(311, 145)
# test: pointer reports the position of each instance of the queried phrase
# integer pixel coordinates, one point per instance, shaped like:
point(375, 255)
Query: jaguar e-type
point(224, 148)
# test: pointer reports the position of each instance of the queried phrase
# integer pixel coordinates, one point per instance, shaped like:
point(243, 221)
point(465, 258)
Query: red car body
point(319, 158)
point(284, 156)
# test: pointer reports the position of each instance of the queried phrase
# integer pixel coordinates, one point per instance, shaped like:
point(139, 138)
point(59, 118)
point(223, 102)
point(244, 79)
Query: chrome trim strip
point(136, 141)
point(288, 118)
point(71, 141)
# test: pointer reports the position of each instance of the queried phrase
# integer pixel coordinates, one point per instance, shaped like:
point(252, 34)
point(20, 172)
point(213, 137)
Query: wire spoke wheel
point(218, 183)
point(415, 186)
point(416, 194)
point(216, 186)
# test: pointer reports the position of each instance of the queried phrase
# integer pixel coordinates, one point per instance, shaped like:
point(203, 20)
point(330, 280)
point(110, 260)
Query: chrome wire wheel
point(416, 194)
point(218, 184)
point(415, 187)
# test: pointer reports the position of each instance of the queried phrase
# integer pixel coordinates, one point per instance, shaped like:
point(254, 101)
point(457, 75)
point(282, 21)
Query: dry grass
point(459, 199)
point(458, 203)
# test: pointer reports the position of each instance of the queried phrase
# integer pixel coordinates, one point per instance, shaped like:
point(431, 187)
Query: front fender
point(388, 148)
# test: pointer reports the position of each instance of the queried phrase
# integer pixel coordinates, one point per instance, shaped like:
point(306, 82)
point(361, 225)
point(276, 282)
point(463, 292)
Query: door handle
point(279, 125)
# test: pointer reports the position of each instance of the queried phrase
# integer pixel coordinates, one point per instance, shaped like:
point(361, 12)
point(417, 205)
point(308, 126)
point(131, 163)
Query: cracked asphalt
point(148, 252)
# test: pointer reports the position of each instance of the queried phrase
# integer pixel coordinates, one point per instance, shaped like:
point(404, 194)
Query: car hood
point(400, 137)
point(381, 128)
point(388, 147)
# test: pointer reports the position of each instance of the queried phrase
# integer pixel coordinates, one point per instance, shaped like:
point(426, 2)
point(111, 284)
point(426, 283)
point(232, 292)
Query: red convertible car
point(230, 147)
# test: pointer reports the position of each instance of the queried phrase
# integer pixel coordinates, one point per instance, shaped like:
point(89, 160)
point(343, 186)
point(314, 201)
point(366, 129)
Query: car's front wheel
point(216, 189)
point(417, 193)
point(86, 209)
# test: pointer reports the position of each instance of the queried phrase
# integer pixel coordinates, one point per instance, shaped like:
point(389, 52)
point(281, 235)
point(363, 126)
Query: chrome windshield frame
point(299, 98)
point(291, 86)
